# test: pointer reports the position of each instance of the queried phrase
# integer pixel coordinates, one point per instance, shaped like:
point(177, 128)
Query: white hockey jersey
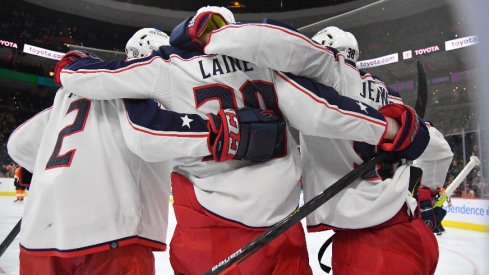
point(249, 194)
point(367, 202)
point(435, 160)
point(91, 190)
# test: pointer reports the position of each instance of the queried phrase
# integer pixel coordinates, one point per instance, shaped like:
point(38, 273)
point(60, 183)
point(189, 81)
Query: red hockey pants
point(201, 241)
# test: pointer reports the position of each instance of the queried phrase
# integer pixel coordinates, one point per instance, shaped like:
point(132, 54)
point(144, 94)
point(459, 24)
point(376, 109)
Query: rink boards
point(470, 214)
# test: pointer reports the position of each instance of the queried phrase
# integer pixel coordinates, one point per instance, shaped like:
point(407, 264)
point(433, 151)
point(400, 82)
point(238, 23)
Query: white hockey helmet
point(225, 12)
point(145, 41)
point(343, 41)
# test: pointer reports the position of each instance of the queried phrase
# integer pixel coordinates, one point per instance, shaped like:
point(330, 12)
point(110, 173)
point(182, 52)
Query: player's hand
point(426, 208)
point(382, 170)
point(246, 134)
point(411, 139)
point(193, 33)
point(67, 59)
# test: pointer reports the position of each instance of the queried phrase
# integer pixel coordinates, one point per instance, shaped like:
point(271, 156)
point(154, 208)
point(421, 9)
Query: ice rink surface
point(462, 252)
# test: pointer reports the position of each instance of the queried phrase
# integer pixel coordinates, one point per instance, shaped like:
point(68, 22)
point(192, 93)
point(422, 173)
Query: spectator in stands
point(484, 187)
point(475, 149)
point(9, 170)
point(467, 192)
point(478, 185)
point(455, 167)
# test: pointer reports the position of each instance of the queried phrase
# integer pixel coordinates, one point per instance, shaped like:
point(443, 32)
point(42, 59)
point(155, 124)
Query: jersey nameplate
point(378, 95)
point(223, 65)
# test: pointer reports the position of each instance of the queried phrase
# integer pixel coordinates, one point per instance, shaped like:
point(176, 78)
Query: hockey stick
point(94, 50)
point(244, 252)
point(422, 97)
point(301, 212)
point(340, 15)
point(10, 237)
point(474, 161)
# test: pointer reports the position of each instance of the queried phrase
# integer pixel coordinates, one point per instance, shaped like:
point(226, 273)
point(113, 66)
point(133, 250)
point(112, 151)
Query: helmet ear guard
point(145, 41)
point(343, 41)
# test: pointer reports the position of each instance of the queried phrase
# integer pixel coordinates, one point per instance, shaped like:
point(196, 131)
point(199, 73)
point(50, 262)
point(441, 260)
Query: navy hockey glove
point(412, 137)
point(67, 59)
point(426, 208)
point(382, 170)
point(190, 33)
point(246, 134)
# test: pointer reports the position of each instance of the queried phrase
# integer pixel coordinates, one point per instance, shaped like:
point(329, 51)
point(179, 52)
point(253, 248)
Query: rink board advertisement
point(468, 214)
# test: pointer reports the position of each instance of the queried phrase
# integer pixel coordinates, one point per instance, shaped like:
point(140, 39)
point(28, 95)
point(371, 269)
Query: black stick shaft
point(280, 227)
point(10, 237)
point(422, 97)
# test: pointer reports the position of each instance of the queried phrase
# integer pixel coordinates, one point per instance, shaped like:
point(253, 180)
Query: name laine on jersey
point(223, 65)
point(378, 95)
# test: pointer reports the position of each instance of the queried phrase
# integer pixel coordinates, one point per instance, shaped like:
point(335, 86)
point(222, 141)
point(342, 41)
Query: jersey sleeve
point(96, 79)
point(318, 110)
point(24, 142)
point(285, 50)
point(394, 96)
point(435, 160)
point(156, 134)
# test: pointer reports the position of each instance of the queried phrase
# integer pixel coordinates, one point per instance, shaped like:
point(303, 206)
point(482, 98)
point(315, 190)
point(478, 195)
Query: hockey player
point(144, 41)
point(221, 206)
point(376, 219)
point(19, 187)
point(98, 204)
point(435, 162)
point(207, 228)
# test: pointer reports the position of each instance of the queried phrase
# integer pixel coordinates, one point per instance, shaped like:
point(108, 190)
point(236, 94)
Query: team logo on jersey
point(233, 132)
point(429, 223)
point(186, 121)
point(363, 107)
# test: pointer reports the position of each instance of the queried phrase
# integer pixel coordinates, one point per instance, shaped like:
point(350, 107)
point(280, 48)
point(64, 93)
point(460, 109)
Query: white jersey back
point(366, 202)
point(205, 84)
point(325, 160)
point(250, 194)
point(89, 191)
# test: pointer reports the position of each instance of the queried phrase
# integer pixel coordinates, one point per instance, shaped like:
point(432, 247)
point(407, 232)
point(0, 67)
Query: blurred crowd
point(22, 21)
point(464, 146)
point(15, 108)
point(25, 23)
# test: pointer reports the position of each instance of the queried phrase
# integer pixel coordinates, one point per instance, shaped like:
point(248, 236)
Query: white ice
point(462, 252)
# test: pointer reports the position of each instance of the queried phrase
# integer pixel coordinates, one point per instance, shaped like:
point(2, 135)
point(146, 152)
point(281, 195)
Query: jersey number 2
point(82, 106)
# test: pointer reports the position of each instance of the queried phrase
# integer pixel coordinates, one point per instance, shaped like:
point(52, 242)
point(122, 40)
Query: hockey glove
point(382, 170)
point(413, 136)
point(67, 59)
point(190, 33)
point(426, 208)
point(246, 134)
